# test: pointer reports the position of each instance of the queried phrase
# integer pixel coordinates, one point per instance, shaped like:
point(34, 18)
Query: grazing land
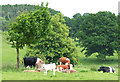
point(86, 69)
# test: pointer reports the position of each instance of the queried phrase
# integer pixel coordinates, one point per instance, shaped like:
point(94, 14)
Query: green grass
point(0, 54)
point(9, 55)
point(86, 69)
point(80, 75)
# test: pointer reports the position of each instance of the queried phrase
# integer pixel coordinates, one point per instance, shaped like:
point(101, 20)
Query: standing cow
point(30, 61)
point(47, 67)
point(64, 60)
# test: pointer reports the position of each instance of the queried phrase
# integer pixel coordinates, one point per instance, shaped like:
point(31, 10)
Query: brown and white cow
point(63, 67)
point(39, 65)
point(64, 60)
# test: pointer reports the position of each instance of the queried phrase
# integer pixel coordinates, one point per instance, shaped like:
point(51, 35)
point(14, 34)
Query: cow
point(30, 71)
point(64, 60)
point(47, 67)
point(39, 65)
point(31, 61)
point(69, 71)
point(63, 67)
point(107, 69)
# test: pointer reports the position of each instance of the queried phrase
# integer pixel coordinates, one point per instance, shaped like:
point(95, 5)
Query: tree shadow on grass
point(89, 61)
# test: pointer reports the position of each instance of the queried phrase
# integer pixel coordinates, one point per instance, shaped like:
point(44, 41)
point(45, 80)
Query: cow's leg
point(34, 65)
point(30, 66)
point(58, 69)
point(53, 70)
point(45, 72)
point(71, 66)
point(66, 63)
point(25, 66)
point(60, 63)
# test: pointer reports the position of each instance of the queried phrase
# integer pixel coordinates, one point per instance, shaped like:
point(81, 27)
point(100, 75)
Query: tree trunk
point(18, 62)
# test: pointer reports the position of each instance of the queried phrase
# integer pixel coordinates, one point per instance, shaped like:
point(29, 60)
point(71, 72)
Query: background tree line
point(95, 33)
point(10, 13)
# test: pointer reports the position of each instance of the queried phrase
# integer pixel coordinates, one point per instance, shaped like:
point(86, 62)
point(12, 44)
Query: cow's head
point(101, 68)
point(38, 60)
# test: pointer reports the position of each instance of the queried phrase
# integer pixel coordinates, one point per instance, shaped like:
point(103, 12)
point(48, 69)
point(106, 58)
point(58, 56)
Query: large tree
point(74, 24)
point(29, 28)
point(57, 44)
point(98, 33)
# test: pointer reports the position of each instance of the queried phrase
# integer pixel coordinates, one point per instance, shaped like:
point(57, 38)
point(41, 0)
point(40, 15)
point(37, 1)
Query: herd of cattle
point(64, 66)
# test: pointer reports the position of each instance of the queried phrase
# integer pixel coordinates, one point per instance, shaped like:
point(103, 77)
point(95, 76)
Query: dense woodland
point(93, 32)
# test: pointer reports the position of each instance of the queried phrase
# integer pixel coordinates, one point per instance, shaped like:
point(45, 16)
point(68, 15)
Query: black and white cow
point(107, 69)
point(30, 61)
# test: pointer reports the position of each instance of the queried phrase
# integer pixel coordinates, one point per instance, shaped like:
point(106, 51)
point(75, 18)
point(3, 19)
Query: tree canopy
point(29, 27)
point(57, 44)
point(98, 33)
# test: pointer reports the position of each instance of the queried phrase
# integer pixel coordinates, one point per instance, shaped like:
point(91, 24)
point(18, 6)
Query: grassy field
point(86, 69)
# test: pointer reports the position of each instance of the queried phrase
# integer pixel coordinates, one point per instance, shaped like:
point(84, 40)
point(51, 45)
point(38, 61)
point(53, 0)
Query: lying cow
point(107, 69)
point(63, 67)
point(47, 67)
point(30, 61)
point(39, 65)
point(64, 60)
point(30, 71)
point(69, 71)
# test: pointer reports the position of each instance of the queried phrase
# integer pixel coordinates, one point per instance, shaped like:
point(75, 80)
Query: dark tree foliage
point(74, 24)
point(69, 23)
point(98, 33)
point(76, 15)
point(119, 33)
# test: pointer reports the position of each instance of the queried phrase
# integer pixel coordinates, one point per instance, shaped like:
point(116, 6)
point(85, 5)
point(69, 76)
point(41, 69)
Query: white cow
point(47, 67)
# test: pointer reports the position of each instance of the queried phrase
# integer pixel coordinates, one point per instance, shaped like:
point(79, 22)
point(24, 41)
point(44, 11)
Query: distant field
point(86, 69)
